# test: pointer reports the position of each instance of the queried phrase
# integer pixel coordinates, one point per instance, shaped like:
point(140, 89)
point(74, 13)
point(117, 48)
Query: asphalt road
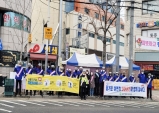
point(76, 106)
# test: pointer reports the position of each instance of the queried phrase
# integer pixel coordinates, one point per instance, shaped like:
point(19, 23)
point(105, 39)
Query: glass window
point(107, 39)
point(103, 18)
point(121, 44)
point(91, 35)
point(86, 10)
point(114, 41)
point(79, 34)
point(122, 26)
point(97, 15)
point(110, 21)
point(149, 5)
point(67, 31)
point(80, 25)
point(100, 37)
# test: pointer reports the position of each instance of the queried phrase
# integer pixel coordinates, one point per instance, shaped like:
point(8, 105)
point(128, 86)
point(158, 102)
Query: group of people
point(91, 83)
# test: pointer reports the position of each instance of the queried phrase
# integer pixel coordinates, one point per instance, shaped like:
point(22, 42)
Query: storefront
point(36, 54)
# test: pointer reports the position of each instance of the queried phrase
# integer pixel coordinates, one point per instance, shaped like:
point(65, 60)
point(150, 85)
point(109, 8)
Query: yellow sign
point(52, 83)
point(48, 33)
point(30, 38)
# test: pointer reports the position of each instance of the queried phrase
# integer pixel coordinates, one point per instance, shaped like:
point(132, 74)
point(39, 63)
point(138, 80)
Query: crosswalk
point(7, 106)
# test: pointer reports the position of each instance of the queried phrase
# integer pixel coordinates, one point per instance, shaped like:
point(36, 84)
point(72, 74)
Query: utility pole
point(46, 49)
point(60, 33)
point(117, 36)
point(131, 39)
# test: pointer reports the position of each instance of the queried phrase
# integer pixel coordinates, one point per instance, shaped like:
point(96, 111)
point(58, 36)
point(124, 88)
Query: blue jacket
point(79, 72)
point(52, 72)
point(124, 78)
point(48, 70)
point(75, 74)
point(142, 78)
point(28, 69)
point(59, 72)
point(38, 70)
point(115, 77)
point(131, 78)
point(109, 77)
point(150, 83)
point(19, 70)
point(68, 74)
point(104, 77)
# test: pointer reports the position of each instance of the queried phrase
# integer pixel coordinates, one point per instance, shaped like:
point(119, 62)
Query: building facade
point(146, 35)
point(15, 26)
point(81, 28)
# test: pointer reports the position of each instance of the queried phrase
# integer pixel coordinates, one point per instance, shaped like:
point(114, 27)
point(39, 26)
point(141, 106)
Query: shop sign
point(156, 67)
point(148, 67)
point(147, 24)
point(40, 48)
point(9, 58)
point(142, 42)
point(77, 50)
point(48, 33)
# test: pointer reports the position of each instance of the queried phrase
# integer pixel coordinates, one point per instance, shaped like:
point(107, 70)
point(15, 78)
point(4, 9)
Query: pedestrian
point(116, 77)
point(69, 74)
point(149, 86)
point(83, 85)
point(142, 79)
point(110, 78)
point(87, 84)
point(133, 80)
point(75, 73)
point(19, 74)
point(29, 70)
point(92, 84)
point(102, 78)
point(124, 78)
point(52, 72)
point(97, 75)
point(39, 71)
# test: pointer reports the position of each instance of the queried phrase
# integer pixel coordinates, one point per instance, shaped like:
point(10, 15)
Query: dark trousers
point(51, 93)
point(96, 90)
point(83, 92)
point(101, 89)
point(20, 84)
point(149, 93)
point(41, 93)
point(88, 90)
point(27, 92)
point(60, 93)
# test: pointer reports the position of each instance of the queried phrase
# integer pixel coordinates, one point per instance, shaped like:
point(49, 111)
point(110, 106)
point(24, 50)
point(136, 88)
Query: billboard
point(142, 42)
point(77, 50)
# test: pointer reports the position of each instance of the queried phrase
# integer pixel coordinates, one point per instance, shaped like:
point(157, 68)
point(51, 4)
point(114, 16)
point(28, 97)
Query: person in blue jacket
point(75, 73)
point(149, 86)
point(142, 77)
point(69, 73)
point(132, 78)
point(80, 71)
point(48, 69)
point(124, 78)
point(52, 71)
point(110, 77)
point(102, 78)
point(29, 70)
point(20, 72)
point(116, 77)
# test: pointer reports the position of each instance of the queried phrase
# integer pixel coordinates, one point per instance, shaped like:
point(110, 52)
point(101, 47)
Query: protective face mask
point(103, 70)
point(149, 76)
point(142, 72)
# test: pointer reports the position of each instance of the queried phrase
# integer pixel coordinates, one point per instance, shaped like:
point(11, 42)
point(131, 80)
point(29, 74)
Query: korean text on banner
point(125, 89)
point(52, 83)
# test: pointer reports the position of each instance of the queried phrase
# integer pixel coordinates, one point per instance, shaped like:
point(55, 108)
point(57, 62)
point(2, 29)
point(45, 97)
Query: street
point(21, 105)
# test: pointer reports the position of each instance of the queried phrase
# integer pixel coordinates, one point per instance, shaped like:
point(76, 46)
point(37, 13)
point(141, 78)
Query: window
point(100, 37)
point(80, 26)
point(67, 31)
point(110, 21)
point(103, 18)
point(107, 39)
point(114, 41)
point(86, 10)
point(91, 35)
point(122, 26)
point(149, 5)
point(128, 14)
point(127, 39)
point(79, 34)
point(97, 15)
point(121, 44)
point(151, 33)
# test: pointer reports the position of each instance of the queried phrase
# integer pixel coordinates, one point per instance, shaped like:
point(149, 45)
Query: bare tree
point(108, 12)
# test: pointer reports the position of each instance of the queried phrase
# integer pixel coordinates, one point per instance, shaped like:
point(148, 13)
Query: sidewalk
point(154, 92)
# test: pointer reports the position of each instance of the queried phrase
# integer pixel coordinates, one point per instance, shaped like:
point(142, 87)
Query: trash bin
point(9, 87)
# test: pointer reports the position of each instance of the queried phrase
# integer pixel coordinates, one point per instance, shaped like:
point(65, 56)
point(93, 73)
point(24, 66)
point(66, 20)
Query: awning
point(42, 57)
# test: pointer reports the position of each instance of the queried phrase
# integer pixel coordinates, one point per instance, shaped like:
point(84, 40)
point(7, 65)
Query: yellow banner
point(52, 83)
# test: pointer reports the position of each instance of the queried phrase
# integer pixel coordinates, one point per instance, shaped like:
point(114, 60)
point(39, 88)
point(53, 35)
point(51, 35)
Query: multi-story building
point(146, 34)
point(81, 27)
point(15, 25)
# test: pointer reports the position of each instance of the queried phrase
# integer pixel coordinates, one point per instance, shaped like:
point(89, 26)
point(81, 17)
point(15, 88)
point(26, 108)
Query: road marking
point(13, 103)
point(92, 103)
point(31, 103)
point(6, 105)
point(81, 103)
point(50, 103)
point(5, 110)
point(117, 105)
point(64, 103)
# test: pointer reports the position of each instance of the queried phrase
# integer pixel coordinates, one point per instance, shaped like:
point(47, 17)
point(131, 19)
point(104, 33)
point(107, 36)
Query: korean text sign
point(52, 83)
point(125, 89)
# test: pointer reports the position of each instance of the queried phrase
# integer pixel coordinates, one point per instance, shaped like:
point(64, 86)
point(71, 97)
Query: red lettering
point(150, 43)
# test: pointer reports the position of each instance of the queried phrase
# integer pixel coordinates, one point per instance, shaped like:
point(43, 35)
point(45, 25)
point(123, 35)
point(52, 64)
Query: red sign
point(6, 17)
point(148, 67)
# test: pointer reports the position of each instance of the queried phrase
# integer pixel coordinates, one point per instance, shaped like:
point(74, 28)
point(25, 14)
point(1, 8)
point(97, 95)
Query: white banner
point(147, 43)
point(125, 89)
